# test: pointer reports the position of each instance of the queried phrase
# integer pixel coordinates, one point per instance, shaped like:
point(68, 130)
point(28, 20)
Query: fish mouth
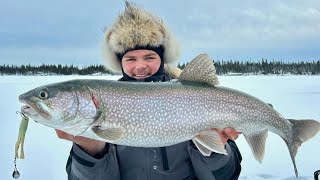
point(33, 111)
point(25, 109)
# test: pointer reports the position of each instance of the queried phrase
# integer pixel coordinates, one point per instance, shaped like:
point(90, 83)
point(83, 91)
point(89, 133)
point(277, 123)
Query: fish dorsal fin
point(200, 69)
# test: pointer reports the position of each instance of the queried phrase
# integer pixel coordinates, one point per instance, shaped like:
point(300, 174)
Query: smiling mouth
point(141, 76)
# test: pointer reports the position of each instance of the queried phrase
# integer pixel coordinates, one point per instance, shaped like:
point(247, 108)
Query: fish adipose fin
point(303, 130)
point(109, 134)
point(257, 142)
point(209, 141)
point(200, 69)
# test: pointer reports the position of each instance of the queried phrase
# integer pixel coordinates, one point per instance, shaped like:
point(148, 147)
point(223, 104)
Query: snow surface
point(296, 97)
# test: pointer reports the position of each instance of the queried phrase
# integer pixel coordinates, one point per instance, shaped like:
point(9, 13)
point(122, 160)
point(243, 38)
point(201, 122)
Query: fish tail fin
point(302, 130)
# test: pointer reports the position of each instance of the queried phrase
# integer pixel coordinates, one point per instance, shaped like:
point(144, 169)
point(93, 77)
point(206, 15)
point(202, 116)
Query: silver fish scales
point(164, 113)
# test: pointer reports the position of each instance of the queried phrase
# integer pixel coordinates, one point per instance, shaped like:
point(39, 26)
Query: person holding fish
point(140, 46)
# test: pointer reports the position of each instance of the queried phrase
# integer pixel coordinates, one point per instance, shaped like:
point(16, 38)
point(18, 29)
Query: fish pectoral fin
point(109, 134)
point(257, 142)
point(209, 141)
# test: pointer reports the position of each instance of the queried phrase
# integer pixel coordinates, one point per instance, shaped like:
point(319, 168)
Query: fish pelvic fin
point(200, 69)
point(257, 142)
point(302, 130)
point(209, 141)
point(204, 151)
point(109, 134)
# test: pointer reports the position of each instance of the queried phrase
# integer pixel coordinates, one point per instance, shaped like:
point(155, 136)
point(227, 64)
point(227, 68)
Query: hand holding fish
point(227, 133)
point(91, 146)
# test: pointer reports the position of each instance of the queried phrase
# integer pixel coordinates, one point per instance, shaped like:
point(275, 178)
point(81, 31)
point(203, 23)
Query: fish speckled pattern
point(164, 113)
point(179, 111)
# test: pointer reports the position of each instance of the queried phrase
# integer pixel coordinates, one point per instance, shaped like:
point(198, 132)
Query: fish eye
point(43, 94)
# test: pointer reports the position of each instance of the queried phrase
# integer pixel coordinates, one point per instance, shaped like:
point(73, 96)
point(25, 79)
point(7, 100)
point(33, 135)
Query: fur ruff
point(137, 27)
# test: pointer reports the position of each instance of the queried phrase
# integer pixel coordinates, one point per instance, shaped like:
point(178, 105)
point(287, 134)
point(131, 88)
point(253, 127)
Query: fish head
point(51, 105)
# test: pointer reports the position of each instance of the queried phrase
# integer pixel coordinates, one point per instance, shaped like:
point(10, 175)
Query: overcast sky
point(70, 32)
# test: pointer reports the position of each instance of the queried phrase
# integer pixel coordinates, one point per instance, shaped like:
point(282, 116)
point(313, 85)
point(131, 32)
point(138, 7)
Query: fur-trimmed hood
point(137, 27)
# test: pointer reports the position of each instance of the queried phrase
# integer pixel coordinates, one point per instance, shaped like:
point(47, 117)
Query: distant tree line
point(265, 67)
point(222, 67)
point(52, 70)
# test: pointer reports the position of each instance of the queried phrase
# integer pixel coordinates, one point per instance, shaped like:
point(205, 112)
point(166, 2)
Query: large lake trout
point(160, 114)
